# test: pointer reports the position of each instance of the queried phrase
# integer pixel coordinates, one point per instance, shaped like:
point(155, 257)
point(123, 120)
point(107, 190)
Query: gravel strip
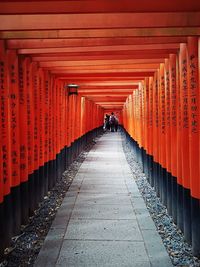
point(25, 247)
point(179, 251)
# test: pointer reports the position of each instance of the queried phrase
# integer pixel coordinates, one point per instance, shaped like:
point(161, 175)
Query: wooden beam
point(106, 75)
point(113, 67)
point(101, 33)
point(52, 43)
point(51, 63)
point(129, 48)
point(99, 21)
point(90, 6)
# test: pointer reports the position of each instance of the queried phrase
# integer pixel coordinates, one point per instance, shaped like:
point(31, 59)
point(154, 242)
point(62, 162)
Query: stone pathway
point(103, 220)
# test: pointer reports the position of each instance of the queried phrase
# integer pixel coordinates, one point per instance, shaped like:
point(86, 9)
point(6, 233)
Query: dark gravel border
point(25, 247)
point(179, 251)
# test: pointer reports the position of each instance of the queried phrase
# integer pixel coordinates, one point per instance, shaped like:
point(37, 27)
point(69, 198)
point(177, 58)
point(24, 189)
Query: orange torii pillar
point(145, 125)
point(150, 133)
point(168, 138)
point(36, 133)
point(156, 140)
point(162, 136)
point(194, 127)
point(30, 138)
point(46, 91)
point(1, 200)
point(23, 140)
point(183, 135)
point(6, 222)
point(173, 77)
point(14, 138)
point(184, 98)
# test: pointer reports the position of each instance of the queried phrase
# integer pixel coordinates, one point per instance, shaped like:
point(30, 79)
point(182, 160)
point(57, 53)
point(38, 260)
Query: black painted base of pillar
point(41, 183)
point(8, 219)
point(150, 170)
point(24, 197)
point(58, 167)
point(164, 187)
point(54, 172)
point(169, 192)
point(145, 163)
point(32, 194)
point(180, 207)
point(37, 186)
point(16, 209)
point(156, 177)
point(2, 234)
point(50, 175)
point(187, 215)
point(195, 218)
point(174, 199)
point(46, 177)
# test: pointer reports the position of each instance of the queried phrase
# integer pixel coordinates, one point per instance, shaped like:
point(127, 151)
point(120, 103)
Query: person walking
point(112, 121)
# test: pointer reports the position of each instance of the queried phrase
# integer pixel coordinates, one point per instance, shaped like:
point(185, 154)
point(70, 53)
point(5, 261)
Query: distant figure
point(112, 122)
point(106, 123)
point(116, 124)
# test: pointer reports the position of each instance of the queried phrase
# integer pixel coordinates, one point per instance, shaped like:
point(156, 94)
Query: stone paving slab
point(102, 253)
point(104, 199)
point(104, 181)
point(103, 188)
point(110, 212)
point(103, 220)
point(103, 230)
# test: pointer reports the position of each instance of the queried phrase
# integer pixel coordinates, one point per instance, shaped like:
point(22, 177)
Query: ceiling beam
point(98, 62)
point(101, 33)
point(99, 21)
point(145, 47)
point(90, 6)
point(79, 42)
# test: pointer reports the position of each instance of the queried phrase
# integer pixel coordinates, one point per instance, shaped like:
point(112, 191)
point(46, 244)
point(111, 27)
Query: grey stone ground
point(103, 220)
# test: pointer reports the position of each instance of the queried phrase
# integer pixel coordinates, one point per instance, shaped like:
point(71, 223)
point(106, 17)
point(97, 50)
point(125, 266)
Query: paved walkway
point(103, 220)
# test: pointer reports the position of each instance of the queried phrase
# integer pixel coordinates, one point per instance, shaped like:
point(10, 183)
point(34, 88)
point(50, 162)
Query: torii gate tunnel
point(138, 59)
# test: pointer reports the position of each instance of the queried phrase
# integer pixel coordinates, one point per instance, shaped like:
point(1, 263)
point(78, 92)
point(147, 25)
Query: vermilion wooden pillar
point(162, 131)
point(150, 131)
point(53, 118)
point(57, 133)
point(23, 117)
point(184, 192)
point(5, 147)
point(141, 122)
point(168, 138)
point(167, 116)
point(155, 131)
point(1, 202)
point(35, 87)
point(179, 153)
point(62, 126)
point(194, 164)
point(14, 137)
point(41, 131)
point(146, 123)
point(50, 135)
point(2, 118)
point(173, 76)
point(30, 138)
point(46, 90)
